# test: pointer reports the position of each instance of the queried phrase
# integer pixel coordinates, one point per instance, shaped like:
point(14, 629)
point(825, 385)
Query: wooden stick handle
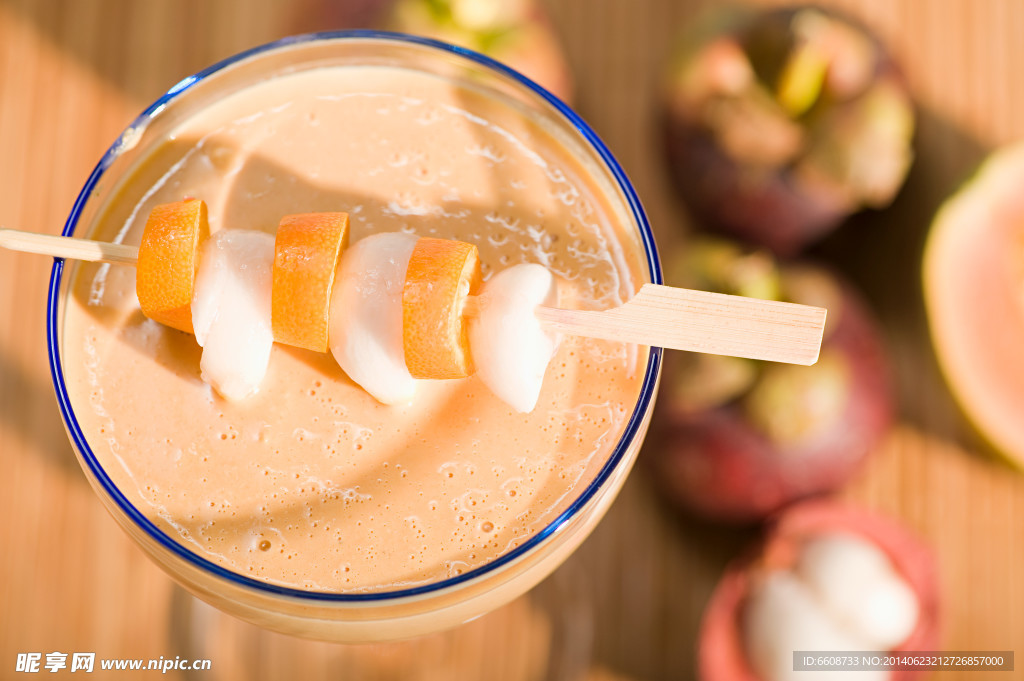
point(67, 247)
point(683, 319)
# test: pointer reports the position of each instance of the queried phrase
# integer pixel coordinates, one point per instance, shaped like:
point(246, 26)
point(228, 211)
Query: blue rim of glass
point(165, 541)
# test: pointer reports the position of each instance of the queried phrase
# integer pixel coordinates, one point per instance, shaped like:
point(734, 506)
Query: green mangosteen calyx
point(701, 382)
point(861, 151)
point(791, 404)
point(813, 286)
point(803, 79)
point(725, 267)
point(480, 24)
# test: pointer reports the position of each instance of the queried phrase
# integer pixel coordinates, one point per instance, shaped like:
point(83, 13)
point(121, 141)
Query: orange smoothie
point(311, 483)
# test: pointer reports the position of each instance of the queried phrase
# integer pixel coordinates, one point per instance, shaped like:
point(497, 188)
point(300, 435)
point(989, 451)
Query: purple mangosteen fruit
point(828, 577)
point(781, 123)
point(737, 439)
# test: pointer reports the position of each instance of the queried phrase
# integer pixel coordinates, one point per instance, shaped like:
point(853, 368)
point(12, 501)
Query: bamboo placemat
point(73, 73)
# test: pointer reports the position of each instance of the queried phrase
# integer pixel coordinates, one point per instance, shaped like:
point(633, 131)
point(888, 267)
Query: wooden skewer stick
point(67, 247)
point(684, 319)
point(661, 316)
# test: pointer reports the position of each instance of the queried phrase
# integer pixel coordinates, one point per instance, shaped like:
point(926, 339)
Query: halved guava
point(974, 293)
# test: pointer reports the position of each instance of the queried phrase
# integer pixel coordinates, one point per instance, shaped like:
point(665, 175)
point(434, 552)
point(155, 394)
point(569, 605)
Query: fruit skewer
point(661, 316)
point(395, 307)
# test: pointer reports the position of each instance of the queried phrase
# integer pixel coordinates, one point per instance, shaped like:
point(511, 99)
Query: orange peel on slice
point(168, 255)
point(440, 276)
point(306, 253)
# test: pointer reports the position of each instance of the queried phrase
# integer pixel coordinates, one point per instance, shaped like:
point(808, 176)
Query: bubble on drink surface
point(224, 158)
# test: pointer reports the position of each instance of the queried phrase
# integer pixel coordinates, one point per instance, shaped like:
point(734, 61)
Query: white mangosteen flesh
point(231, 311)
point(857, 583)
point(511, 349)
point(365, 331)
point(843, 594)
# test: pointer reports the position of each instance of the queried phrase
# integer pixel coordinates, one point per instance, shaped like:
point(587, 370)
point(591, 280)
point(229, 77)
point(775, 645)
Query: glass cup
point(402, 613)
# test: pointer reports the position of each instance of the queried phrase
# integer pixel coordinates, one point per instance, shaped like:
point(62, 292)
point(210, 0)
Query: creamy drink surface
point(312, 483)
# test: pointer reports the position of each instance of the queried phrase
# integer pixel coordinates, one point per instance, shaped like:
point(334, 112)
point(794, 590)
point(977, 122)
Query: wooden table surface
point(73, 73)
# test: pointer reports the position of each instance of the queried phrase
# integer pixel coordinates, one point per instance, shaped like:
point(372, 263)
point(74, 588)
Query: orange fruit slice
point(168, 254)
point(306, 253)
point(440, 275)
